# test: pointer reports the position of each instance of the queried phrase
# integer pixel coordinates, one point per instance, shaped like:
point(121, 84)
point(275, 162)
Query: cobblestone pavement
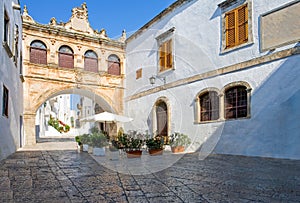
point(69, 176)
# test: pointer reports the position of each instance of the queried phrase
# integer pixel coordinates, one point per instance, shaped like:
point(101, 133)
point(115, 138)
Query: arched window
point(209, 106)
point(91, 61)
point(65, 57)
point(38, 52)
point(114, 65)
point(236, 104)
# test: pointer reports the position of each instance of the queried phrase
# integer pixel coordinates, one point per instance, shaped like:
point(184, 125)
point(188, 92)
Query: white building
point(11, 89)
point(227, 74)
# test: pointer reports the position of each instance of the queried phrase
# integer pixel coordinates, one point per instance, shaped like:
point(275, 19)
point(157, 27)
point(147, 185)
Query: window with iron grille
point(91, 61)
point(236, 102)
point(209, 106)
point(5, 97)
point(65, 57)
point(38, 52)
point(114, 65)
point(165, 56)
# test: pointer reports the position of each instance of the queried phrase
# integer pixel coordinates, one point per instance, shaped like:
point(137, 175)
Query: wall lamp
point(152, 79)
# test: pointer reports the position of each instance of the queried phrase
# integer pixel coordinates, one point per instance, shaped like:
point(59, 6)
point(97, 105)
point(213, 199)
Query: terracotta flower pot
point(155, 152)
point(177, 149)
point(134, 154)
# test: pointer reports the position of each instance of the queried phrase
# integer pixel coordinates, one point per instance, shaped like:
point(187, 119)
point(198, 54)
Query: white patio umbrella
point(106, 117)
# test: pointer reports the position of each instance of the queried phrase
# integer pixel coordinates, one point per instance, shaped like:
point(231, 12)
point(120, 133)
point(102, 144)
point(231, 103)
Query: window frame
point(93, 59)
point(228, 7)
point(110, 63)
point(44, 49)
point(64, 53)
point(166, 39)
point(214, 105)
point(5, 101)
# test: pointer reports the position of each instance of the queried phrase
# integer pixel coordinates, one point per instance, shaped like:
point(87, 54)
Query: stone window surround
point(221, 94)
point(227, 6)
point(160, 39)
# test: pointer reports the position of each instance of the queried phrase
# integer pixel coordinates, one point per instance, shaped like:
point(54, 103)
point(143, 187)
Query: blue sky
point(114, 16)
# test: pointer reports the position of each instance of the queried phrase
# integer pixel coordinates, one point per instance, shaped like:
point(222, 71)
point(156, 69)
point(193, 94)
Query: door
point(162, 120)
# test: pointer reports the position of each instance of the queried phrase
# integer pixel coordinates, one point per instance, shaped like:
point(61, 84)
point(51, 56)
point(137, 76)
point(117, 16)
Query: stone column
point(29, 129)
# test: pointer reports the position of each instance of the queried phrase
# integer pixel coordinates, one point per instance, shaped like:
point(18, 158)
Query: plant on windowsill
point(155, 145)
point(179, 141)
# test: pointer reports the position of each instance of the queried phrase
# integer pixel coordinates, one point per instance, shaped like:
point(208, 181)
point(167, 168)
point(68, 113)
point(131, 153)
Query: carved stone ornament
point(26, 16)
point(79, 20)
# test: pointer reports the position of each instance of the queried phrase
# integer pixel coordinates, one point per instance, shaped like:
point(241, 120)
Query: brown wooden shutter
point(91, 64)
point(162, 57)
point(230, 29)
point(169, 54)
point(66, 60)
point(242, 24)
point(113, 68)
point(38, 56)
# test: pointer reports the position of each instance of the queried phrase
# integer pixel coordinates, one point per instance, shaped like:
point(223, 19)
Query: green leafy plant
point(78, 140)
point(179, 139)
point(130, 143)
point(85, 139)
point(155, 143)
point(98, 140)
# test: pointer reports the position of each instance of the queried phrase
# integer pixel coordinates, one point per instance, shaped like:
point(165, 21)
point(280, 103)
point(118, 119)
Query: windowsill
point(221, 120)
point(162, 73)
point(7, 49)
point(224, 51)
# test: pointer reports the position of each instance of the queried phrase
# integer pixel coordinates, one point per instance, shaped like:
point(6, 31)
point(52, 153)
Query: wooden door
point(162, 120)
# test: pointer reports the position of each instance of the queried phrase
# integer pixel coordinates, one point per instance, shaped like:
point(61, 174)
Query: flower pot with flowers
point(155, 145)
point(179, 141)
point(132, 145)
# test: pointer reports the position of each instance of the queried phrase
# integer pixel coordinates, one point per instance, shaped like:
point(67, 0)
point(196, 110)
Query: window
point(236, 102)
point(165, 56)
point(236, 26)
point(6, 28)
point(5, 102)
point(38, 52)
point(91, 61)
point(139, 73)
point(65, 57)
point(16, 43)
point(113, 65)
point(209, 106)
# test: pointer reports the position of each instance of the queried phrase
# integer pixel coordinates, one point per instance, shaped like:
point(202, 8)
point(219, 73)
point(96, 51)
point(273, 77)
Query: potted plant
point(98, 142)
point(178, 142)
point(131, 145)
point(79, 143)
point(155, 145)
point(85, 140)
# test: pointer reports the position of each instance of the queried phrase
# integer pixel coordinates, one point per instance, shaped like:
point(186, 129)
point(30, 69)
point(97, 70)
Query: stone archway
point(37, 90)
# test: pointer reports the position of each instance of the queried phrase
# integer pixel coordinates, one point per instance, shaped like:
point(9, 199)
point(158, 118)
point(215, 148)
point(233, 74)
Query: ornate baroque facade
point(70, 58)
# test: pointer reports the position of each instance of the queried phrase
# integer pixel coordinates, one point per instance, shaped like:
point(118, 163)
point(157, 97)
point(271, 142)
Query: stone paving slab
point(71, 176)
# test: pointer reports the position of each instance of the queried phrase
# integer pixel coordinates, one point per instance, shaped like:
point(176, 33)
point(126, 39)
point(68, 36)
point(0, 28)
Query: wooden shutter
point(113, 68)
point(91, 64)
point(236, 26)
point(165, 55)
point(242, 24)
point(66, 60)
point(38, 56)
point(169, 61)
point(230, 29)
